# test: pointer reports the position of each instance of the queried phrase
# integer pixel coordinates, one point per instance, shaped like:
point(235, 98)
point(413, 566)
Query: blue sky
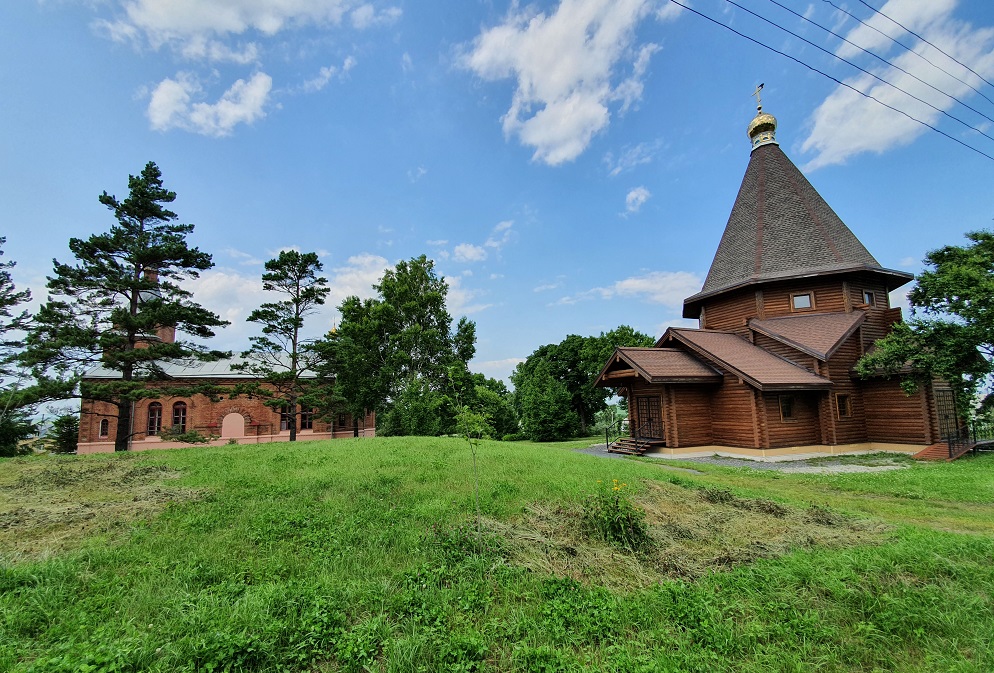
point(569, 165)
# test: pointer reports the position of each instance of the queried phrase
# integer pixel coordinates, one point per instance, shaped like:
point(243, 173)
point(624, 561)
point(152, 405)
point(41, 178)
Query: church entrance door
point(650, 417)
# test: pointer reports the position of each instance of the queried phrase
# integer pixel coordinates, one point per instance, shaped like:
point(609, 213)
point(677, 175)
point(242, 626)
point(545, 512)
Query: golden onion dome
point(762, 129)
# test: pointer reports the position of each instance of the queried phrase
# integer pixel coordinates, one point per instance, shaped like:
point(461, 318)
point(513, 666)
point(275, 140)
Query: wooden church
point(791, 302)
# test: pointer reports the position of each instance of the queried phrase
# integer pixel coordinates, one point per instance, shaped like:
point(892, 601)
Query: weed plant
point(609, 515)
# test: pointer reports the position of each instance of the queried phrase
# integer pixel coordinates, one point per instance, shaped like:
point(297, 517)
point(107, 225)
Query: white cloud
point(846, 123)
point(179, 22)
point(200, 48)
point(670, 11)
point(467, 252)
point(501, 235)
point(243, 103)
point(243, 258)
point(668, 288)
point(416, 174)
point(909, 262)
point(640, 154)
point(356, 277)
point(498, 369)
point(876, 31)
point(636, 198)
point(899, 299)
point(233, 295)
point(459, 300)
point(227, 31)
point(546, 287)
point(565, 65)
point(366, 16)
point(438, 242)
point(326, 73)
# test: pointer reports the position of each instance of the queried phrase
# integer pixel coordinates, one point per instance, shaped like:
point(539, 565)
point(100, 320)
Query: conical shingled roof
point(780, 228)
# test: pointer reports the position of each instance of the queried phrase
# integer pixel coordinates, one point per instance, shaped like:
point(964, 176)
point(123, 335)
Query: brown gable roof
point(656, 365)
point(781, 228)
point(758, 368)
point(817, 334)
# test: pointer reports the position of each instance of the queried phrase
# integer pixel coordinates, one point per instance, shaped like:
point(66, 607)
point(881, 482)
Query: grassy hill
point(367, 555)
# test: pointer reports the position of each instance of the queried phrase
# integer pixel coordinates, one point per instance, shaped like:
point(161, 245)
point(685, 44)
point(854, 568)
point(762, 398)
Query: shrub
point(609, 515)
point(65, 433)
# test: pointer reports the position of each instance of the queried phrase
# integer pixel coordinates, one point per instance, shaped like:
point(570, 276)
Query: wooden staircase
point(940, 451)
point(635, 447)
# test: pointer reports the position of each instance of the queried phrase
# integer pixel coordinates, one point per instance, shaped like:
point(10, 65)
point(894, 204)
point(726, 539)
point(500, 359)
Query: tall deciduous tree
point(572, 364)
point(119, 304)
point(281, 358)
point(951, 331)
point(400, 346)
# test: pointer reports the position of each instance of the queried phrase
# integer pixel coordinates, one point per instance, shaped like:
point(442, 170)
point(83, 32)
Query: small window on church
point(104, 427)
point(801, 302)
point(844, 405)
point(786, 407)
point(868, 298)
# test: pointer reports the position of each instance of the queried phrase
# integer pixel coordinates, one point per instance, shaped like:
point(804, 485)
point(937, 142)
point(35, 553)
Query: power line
point(907, 48)
point(863, 70)
point(881, 59)
point(949, 56)
point(837, 81)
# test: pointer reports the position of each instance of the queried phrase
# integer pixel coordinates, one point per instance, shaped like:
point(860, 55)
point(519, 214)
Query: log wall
point(690, 414)
point(804, 428)
point(732, 312)
point(735, 421)
point(892, 416)
point(850, 430)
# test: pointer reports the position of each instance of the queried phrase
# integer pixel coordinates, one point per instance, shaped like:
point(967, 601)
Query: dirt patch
point(694, 532)
point(51, 504)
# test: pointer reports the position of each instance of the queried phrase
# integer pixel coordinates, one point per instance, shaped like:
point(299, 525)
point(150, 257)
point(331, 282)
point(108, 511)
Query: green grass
point(363, 555)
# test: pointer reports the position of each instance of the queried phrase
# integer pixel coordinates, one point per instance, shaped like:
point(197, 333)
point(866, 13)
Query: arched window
point(179, 417)
point(154, 418)
point(104, 427)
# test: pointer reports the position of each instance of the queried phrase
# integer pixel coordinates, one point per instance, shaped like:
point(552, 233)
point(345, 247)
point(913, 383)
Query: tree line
point(110, 325)
point(116, 306)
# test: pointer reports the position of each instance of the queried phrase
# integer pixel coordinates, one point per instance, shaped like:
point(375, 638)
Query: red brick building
point(790, 304)
point(242, 419)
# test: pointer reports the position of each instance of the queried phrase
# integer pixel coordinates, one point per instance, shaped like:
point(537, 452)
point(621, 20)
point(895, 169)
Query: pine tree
point(12, 325)
point(281, 358)
point(119, 305)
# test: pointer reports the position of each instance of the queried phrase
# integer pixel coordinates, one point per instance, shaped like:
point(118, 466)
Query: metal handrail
point(969, 435)
point(607, 434)
point(639, 443)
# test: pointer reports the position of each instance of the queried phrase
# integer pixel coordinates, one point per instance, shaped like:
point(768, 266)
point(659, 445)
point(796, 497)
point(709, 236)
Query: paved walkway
point(792, 464)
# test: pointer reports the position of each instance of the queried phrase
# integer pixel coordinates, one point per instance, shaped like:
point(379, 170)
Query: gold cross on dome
point(759, 103)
